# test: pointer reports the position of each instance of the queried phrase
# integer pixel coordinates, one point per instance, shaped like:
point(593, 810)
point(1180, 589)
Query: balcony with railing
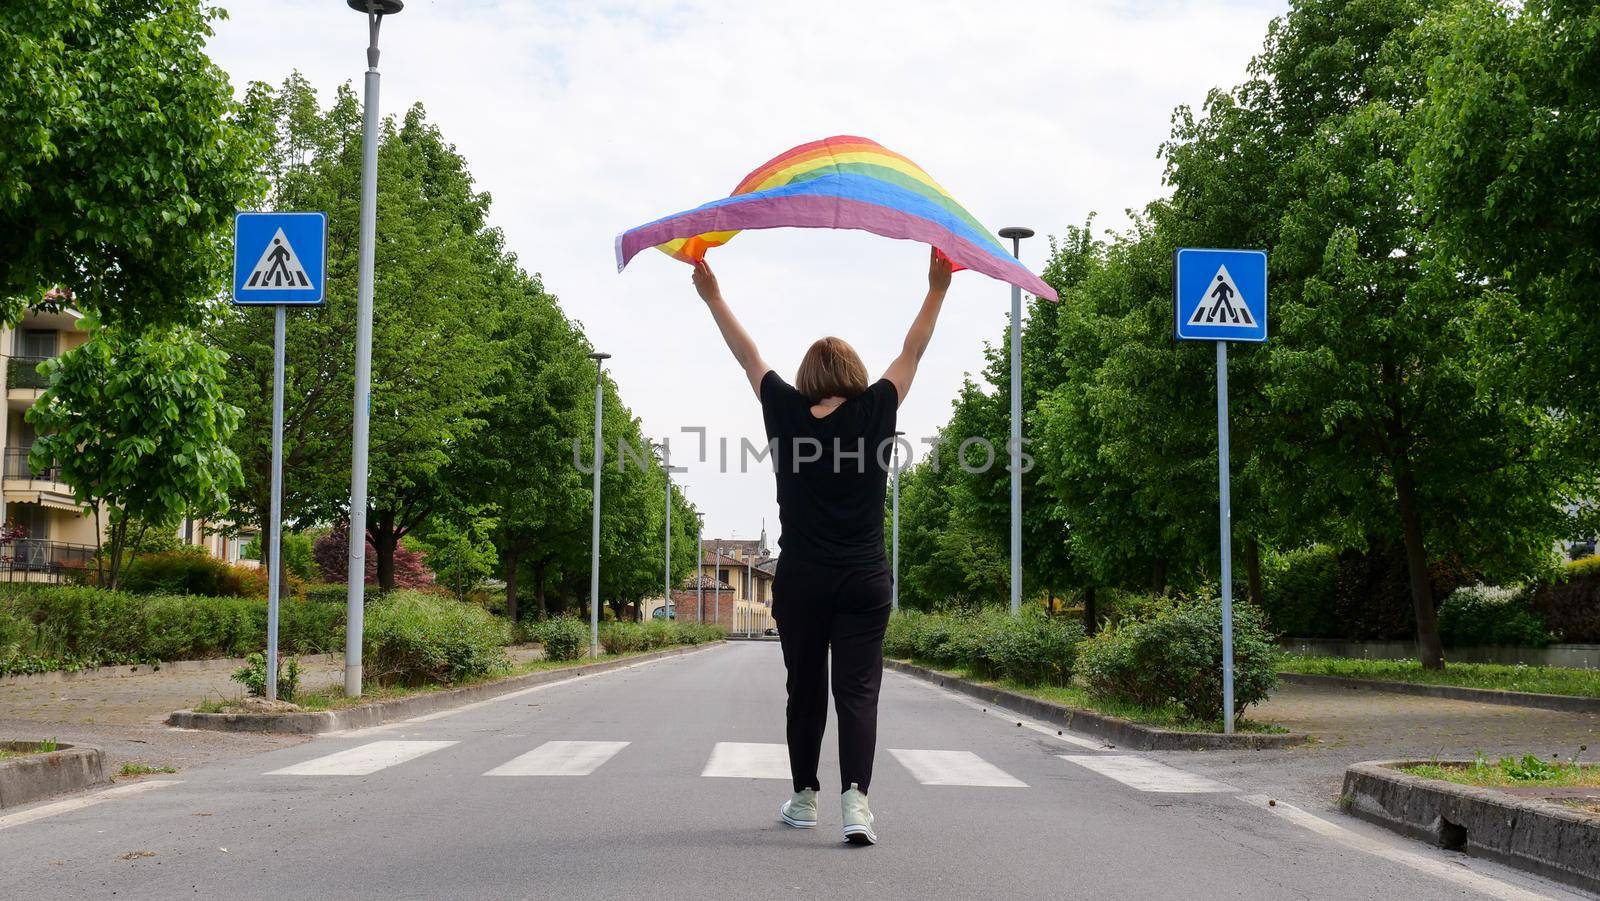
point(35, 559)
point(17, 468)
point(22, 373)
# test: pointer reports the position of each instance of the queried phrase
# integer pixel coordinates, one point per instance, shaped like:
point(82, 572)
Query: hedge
point(1174, 656)
point(69, 627)
point(1035, 649)
point(411, 638)
point(1569, 605)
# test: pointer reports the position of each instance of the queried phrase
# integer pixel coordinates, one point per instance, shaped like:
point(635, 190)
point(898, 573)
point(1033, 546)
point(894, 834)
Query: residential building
point(59, 537)
point(735, 578)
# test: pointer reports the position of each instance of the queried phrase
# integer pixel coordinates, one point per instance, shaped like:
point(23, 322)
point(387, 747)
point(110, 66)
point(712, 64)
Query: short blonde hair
point(831, 368)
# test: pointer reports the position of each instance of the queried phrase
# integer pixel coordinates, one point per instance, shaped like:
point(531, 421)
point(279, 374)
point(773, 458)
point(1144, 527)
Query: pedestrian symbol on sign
point(1222, 304)
point(277, 268)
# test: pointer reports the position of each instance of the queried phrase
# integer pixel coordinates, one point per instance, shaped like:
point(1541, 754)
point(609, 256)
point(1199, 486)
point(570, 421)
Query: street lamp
point(666, 583)
point(594, 531)
point(699, 573)
point(1016, 234)
point(355, 580)
point(894, 599)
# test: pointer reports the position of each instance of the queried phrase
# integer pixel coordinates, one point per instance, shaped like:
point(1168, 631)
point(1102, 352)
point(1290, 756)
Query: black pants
point(817, 607)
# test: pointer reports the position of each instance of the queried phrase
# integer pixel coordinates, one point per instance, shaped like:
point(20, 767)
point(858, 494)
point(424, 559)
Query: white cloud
point(586, 118)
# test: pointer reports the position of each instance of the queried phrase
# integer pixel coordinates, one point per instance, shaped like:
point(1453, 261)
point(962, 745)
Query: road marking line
point(1449, 870)
point(560, 758)
point(1144, 774)
point(748, 760)
point(363, 760)
point(1000, 713)
point(508, 696)
point(954, 768)
point(71, 804)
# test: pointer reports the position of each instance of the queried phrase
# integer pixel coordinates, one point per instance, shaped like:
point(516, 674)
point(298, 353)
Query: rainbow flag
point(838, 182)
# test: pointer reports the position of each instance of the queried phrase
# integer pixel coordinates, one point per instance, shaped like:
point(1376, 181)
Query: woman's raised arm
point(739, 341)
point(904, 367)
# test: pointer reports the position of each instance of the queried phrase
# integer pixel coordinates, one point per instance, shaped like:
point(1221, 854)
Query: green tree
point(459, 549)
point(1506, 168)
point(121, 161)
point(137, 425)
point(441, 278)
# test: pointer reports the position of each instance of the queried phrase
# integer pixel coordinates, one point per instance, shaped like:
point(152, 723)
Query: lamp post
point(699, 574)
point(1016, 234)
point(717, 603)
point(894, 578)
point(666, 582)
point(355, 582)
point(594, 530)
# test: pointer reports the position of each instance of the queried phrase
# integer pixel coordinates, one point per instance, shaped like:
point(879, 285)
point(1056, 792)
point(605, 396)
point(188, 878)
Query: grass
point(46, 746)
point(1512, 772)
point(334, 698)
point(1171, 717)
point(139, 769)
point(1537, 679)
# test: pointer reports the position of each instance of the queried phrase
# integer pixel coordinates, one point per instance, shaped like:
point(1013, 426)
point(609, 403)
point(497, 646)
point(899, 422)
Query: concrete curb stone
point(34, 777)
point(379, 712)
point(1115, 730)
point(1564, 703)
point(1530, 834)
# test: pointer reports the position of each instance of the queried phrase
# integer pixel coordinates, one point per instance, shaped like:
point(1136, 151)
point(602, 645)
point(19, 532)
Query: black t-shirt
point(832, 472)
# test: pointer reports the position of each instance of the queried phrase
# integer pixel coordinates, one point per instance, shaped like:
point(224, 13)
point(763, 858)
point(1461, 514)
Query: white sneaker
point(800, 811)
point(857, 817)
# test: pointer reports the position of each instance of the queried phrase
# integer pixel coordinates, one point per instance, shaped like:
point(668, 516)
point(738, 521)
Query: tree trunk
point(538, 590)
point(511, 586)
point(1252, 570)
point(1430, 650)
point(383, 544)
point(1158, 577)
point(1091, 613)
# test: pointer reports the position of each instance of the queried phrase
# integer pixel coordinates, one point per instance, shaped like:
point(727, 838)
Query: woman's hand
point(938, 271)
point(705, 281)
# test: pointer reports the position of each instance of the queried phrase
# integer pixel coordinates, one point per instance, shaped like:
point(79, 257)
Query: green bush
point(698, 633)
point(80, 626)
point(338, 593)
point(629, 637)
point(1569, 605)
point(192, 571)
point(1480, 615)
point(253, 676)
point(1300, 593)
point(1033, 649)
point(1174, 656)
point(621, 638)
point(563, 637)
point(411, 638)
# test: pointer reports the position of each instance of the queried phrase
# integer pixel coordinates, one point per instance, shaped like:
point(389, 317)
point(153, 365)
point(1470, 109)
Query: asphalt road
point(605, 787)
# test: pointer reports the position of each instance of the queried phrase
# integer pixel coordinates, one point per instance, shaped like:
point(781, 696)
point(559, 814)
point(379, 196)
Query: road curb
point(380, 712)
point(1115, 730)
point(1526, 833)
point(1563, 703)
point(35, 777)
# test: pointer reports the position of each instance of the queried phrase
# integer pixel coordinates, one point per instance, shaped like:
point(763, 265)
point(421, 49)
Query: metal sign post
point(279, 259)
point(1221, 296)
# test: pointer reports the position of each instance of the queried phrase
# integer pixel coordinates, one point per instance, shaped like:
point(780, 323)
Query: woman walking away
point(831, 436)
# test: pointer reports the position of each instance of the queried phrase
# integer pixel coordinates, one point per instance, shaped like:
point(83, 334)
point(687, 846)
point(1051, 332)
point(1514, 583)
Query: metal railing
point(36, 555)
point(23, 372)
point(16, 467)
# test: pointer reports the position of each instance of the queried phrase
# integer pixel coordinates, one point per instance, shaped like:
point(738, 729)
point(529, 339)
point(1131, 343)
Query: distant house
point(735, 579)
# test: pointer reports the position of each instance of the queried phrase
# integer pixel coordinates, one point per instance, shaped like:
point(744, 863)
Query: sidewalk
point(1350, 726)
point(124, 715)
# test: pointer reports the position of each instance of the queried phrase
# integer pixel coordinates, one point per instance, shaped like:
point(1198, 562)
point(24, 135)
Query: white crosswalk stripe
point(954, 768)
point(560, 758)
point(363, 760)
point(1144, 774)
point(748, 760)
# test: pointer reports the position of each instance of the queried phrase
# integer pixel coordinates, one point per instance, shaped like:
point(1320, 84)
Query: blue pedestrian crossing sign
point(1219, 295)
point(280, 258)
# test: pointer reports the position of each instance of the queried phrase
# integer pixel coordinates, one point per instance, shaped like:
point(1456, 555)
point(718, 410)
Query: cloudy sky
point(586, 118)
